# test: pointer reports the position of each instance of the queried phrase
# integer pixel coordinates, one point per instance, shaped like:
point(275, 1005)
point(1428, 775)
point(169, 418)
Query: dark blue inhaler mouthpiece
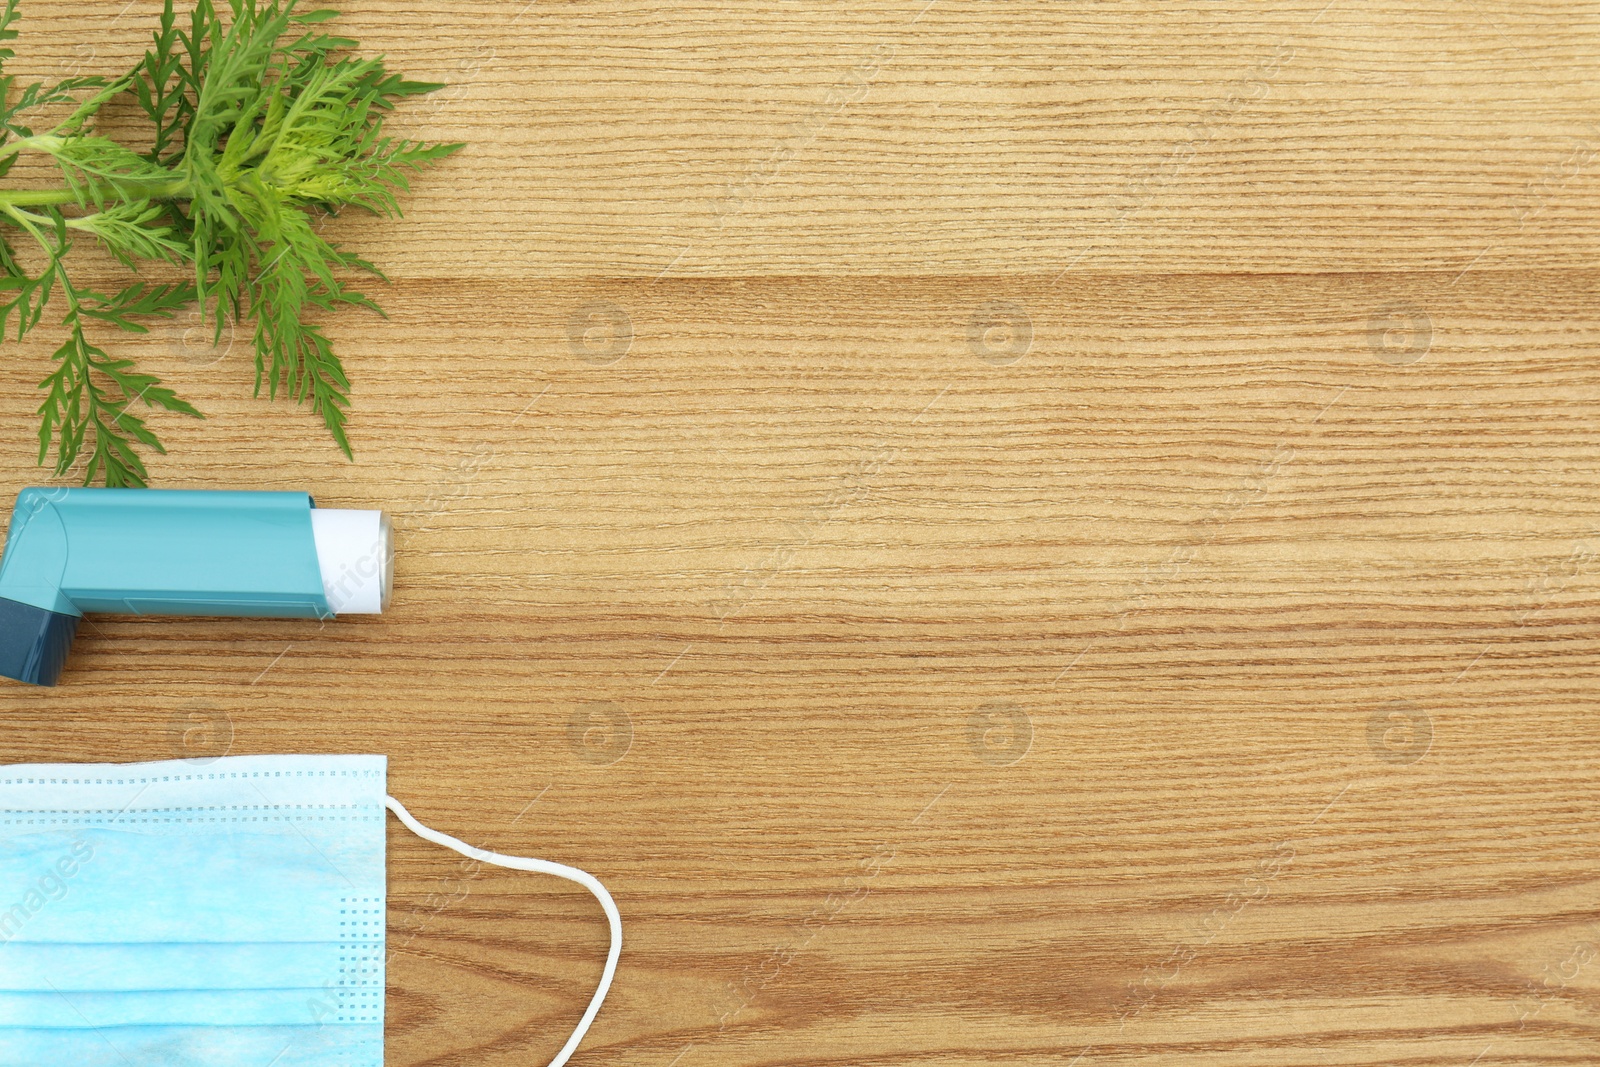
point(34, 642)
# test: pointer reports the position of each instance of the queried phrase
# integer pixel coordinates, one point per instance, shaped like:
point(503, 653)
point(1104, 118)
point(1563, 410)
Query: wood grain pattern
point(1006, 532)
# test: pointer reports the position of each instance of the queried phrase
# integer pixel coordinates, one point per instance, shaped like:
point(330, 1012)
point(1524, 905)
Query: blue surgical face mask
point(224, 913)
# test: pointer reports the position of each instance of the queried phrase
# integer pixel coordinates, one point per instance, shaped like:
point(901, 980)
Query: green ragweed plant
point(258, 121)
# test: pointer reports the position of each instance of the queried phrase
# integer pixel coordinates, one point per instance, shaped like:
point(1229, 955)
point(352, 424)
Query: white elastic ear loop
point(571, 874)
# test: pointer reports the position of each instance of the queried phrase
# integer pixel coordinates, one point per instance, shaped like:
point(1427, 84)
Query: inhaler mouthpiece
point(163, 552)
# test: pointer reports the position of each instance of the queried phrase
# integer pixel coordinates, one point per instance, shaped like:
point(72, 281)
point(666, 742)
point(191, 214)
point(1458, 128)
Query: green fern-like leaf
point(258, 117)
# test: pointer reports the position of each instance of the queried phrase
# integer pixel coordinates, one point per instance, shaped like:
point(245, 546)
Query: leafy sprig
point(259, 119)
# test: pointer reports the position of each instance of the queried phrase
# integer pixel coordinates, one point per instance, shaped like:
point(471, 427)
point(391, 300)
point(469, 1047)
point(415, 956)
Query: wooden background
point(1006, 532)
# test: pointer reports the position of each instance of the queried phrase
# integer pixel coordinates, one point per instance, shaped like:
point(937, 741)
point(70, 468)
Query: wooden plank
point(1005, 532)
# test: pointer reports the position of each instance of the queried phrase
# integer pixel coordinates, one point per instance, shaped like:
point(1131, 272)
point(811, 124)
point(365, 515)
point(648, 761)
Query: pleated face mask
point(227, 913)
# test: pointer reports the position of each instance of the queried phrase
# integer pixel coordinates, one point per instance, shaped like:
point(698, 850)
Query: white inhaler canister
point(355, 551)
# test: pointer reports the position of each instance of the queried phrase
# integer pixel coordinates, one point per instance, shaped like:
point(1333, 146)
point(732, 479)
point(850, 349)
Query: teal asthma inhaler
point(178, 552)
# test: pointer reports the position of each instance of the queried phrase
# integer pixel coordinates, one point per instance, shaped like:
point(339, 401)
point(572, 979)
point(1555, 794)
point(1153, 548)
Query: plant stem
point(173, 188)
